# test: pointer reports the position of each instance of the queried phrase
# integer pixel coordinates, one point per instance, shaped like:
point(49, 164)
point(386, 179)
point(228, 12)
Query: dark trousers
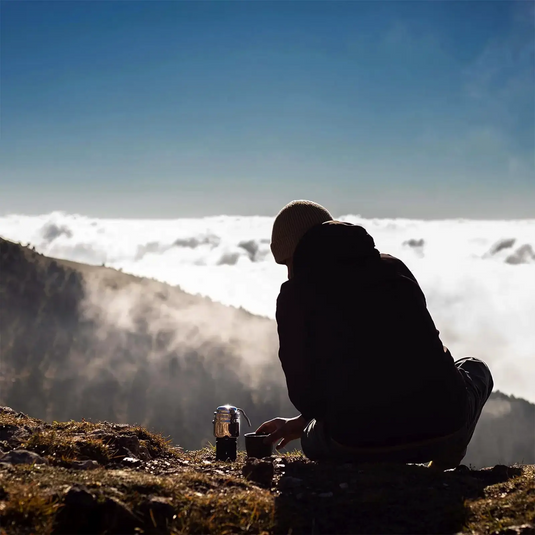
point(445, 451)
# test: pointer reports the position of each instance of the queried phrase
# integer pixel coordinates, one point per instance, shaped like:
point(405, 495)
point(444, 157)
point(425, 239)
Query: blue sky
point(186, 109)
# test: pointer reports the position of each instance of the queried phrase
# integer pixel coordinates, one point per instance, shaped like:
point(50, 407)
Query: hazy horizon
point(42, 213)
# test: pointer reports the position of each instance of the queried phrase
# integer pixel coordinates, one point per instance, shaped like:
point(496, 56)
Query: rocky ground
point(87, 477)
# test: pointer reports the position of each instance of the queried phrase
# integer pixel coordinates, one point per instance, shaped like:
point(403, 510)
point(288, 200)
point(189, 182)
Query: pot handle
point(246, 417)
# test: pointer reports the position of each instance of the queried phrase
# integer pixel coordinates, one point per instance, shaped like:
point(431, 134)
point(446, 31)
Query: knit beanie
point(291, 224)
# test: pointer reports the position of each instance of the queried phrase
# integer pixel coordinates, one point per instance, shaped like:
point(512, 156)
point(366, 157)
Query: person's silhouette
point(363, 360)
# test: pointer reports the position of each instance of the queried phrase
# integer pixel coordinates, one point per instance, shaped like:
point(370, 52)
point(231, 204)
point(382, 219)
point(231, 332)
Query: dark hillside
point(505, 433)
point(79, 341)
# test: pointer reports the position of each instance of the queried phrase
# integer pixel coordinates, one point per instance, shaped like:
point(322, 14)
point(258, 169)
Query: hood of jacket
point(333, 244)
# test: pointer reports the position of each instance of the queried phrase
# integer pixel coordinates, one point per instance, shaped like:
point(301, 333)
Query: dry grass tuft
point(27, 509)
point(67, 448)
point(505, 504)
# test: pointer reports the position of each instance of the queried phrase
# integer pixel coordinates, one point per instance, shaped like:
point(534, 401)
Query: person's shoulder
point(388, 259)
point(391, 259)
point(398, 265)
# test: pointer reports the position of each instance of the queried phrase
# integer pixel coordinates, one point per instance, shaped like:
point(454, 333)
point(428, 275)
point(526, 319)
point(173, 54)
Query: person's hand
point(287, 429)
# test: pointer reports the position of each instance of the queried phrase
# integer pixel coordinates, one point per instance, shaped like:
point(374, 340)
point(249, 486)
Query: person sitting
point(363, 360)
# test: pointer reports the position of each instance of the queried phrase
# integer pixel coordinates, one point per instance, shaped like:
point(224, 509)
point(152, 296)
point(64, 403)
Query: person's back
point(363, 360)
point(375, 355)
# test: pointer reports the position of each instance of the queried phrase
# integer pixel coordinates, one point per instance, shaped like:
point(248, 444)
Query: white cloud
point(478, 276)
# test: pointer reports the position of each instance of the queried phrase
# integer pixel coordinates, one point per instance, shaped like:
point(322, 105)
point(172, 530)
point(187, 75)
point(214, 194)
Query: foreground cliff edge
point(96, 477)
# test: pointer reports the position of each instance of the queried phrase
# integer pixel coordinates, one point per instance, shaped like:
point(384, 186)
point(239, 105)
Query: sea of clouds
point(478, 276)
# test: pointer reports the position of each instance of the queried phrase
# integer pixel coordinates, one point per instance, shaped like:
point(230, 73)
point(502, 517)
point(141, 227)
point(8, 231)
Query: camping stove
point(226, 431)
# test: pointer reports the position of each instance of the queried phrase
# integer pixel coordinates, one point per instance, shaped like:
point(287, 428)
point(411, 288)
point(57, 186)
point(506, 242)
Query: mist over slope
point(80, 341)
point(83, 342)
point(478, 276)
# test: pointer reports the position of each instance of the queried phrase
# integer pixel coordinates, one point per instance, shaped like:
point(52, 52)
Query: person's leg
point(315, 443)
point(479, 384)
point(318, 446)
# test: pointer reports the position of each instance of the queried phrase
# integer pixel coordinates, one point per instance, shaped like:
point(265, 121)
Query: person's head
point(290, 225)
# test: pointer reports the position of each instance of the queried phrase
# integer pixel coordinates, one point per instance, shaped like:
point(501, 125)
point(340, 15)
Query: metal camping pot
point(226, 431)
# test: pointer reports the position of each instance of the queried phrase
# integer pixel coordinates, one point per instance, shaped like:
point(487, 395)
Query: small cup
point(255, 446)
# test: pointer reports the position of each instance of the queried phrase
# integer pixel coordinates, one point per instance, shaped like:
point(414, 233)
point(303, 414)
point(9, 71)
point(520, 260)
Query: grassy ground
point(142, 484)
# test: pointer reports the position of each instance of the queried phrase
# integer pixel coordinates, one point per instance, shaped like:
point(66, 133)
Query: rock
point(131, 461)
point(157, 511)
point(75, 515)
point(79, 496)
point(288, 482)
point(22, 457)
point(258, 471)
point(144, 454)
point(84, 513)
point(84, 465)
point(13, 435)
point(462, 469)
point(7, 431)
point(116, 517)
point(127, 445)
point(502, 472)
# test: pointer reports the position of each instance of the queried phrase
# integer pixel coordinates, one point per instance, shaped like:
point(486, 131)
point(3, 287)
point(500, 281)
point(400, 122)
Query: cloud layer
point(478, 276)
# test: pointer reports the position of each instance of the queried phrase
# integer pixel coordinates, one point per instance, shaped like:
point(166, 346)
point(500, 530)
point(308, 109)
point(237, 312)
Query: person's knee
point(486, 374)
point(491, 379)
point(478, 369)
point(309, 440)
point(468, 362)
point(314, 442)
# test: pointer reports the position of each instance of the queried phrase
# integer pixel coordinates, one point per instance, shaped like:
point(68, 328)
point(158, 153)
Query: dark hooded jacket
point(358, 346)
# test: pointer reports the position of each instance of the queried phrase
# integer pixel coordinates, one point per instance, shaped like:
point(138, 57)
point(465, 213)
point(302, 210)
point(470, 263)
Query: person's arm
point(283, 430)
point(292, 351)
